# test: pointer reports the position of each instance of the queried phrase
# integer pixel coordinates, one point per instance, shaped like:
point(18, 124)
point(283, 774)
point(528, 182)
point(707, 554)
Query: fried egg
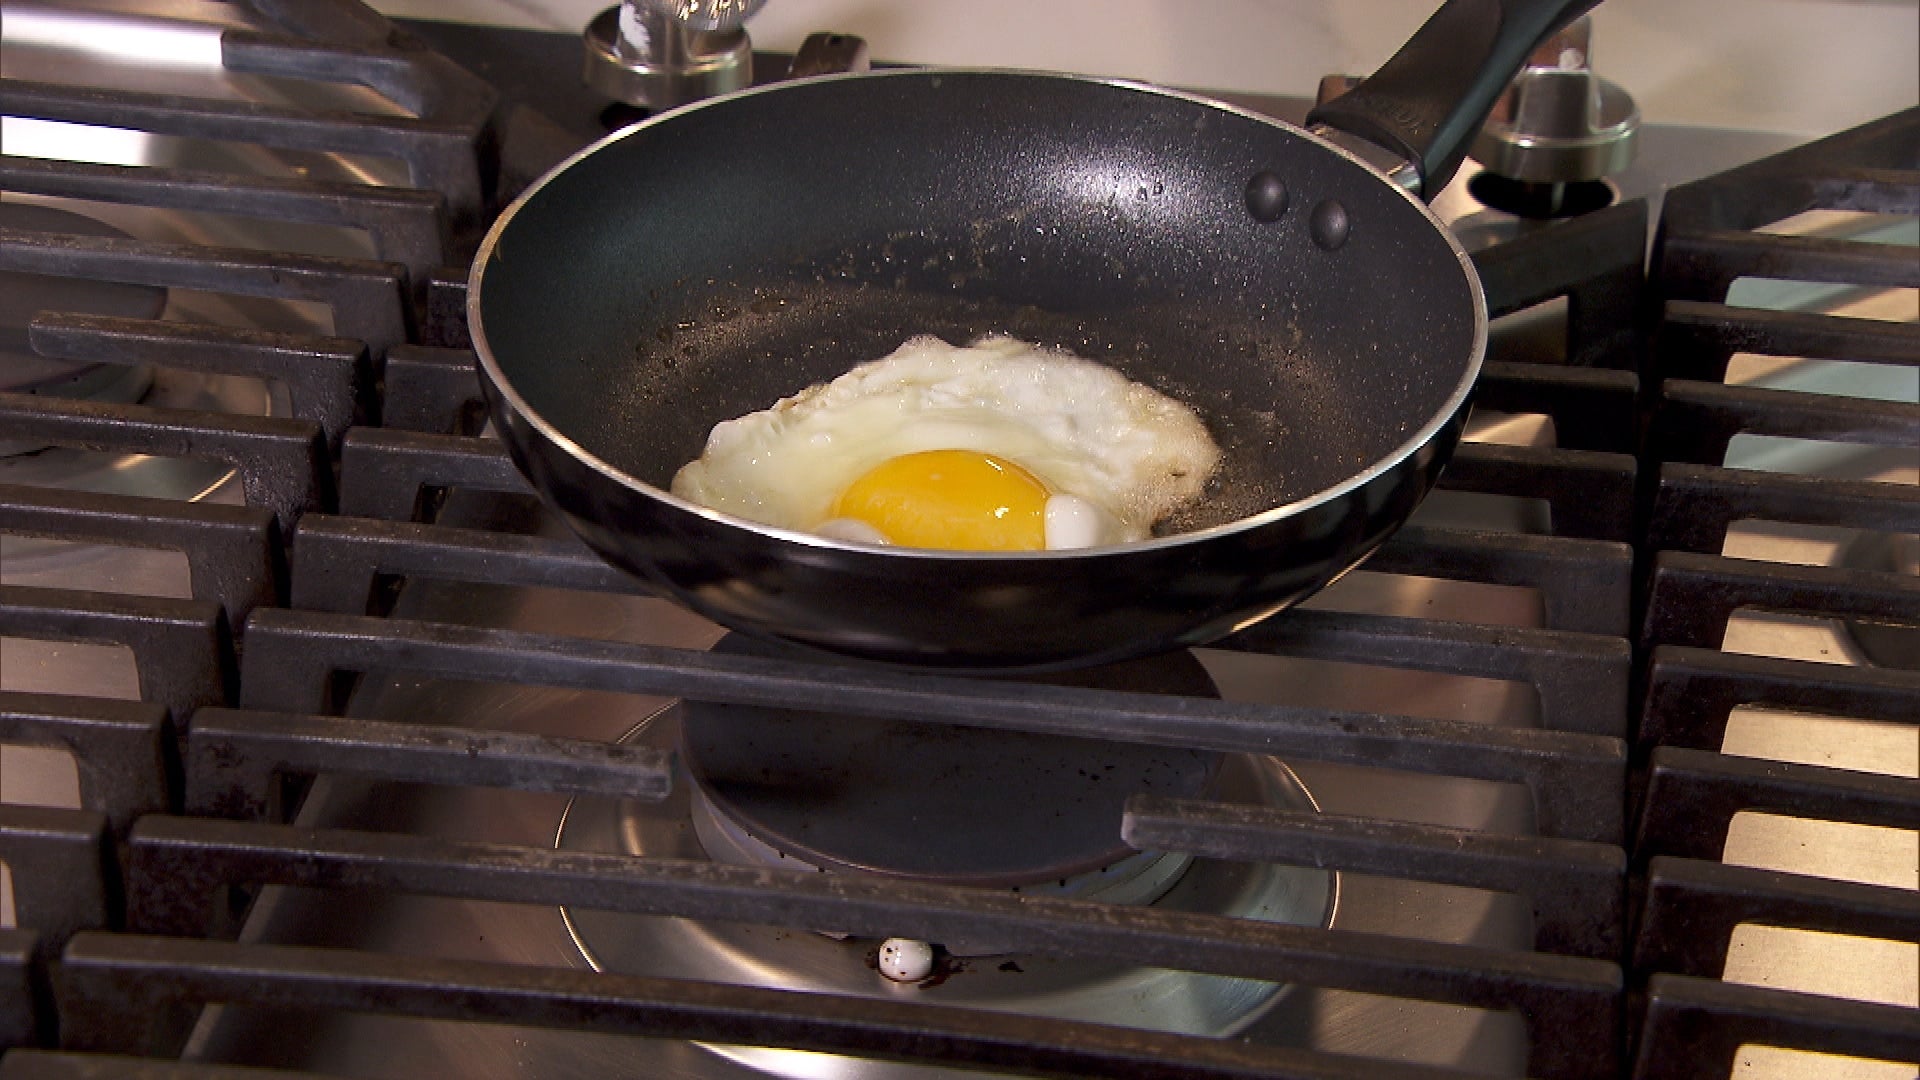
point(996, 446)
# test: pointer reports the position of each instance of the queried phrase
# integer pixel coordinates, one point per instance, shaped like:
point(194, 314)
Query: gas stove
point(327, 749)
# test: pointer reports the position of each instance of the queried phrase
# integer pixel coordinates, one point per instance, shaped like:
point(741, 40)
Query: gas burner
point(922, 802)
point(717, 813)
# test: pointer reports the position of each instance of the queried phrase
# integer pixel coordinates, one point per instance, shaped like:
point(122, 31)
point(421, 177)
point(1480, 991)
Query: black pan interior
point(704, 266)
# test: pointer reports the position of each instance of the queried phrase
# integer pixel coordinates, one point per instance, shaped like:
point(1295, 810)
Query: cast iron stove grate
point(189, 792)
point(1713, 234)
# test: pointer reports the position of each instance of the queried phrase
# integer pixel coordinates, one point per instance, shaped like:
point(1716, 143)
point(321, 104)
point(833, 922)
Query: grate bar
point(1867, 190)
point(1696, 421)
point(418, 80)
point(440, 156)
point(433, 390)
point(1696, 339)
point(1583, 584)
point(181, 648)
point(1581, 678)
point(235, 759)
point(1574, 779)
point(342, 558)
point(282, 463)
point(1718, 258)
point(1577, 889)
point(1590, 494)
point(119, 748)
point(330, 20)
point(1773, 188)
point(1696, 1027)
point(406, 226)
point(50, 1065)
point(177, 862)
point(327, 379)
point(1693, 907)
point(1691, 693)
point(1592, 408)
point(65, 877)
point(387, 474)
point(1596, 261)
point(1693, 596)
point(26, 1014)
point(233, 552)
point(114, 985)
point(368, 299)
point(1692, 796)
point(1695, 504)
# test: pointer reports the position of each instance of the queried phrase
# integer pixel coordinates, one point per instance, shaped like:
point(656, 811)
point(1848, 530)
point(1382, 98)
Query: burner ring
point(1086, 988)
point(935, 802)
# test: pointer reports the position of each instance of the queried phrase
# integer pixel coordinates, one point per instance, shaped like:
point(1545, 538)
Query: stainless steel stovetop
point(172, 46)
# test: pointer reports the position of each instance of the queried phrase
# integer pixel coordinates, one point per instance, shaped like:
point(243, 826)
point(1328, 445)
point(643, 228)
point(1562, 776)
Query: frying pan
point(705, 263)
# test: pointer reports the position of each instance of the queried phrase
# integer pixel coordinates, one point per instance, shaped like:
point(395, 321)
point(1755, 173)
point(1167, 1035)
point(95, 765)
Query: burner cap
point(933, 802)
point(22, 296)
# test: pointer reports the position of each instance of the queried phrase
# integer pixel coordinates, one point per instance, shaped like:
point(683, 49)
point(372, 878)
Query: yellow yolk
point(956, 499)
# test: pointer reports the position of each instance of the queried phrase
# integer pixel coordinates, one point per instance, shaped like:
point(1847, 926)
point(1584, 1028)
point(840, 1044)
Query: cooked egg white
point(1000, 445)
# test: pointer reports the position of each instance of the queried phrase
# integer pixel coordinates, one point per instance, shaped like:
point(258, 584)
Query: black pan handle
point(1427, 101)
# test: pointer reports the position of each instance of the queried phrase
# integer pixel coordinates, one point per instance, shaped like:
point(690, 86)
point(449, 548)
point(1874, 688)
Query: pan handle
point(1427, 101)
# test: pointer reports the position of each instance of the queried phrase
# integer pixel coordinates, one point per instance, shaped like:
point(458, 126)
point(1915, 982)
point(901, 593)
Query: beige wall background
point(1802, 66)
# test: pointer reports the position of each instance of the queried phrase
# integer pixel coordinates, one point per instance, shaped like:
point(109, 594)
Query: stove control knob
point(1558, 122)
point(904, 960)
point(707, 15)
point(656, 54)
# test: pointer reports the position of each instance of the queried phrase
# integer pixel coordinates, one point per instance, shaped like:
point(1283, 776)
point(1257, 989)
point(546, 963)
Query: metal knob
point(707, 15)
point(1558, 122)
point(660, 53)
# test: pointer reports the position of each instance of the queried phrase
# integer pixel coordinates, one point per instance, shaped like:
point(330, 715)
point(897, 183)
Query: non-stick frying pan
point(712, 260)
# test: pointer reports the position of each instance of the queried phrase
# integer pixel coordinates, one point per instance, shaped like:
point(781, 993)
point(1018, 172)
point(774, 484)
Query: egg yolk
point(958, 499)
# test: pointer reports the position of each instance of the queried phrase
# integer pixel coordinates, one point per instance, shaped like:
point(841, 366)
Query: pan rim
point(499, 384)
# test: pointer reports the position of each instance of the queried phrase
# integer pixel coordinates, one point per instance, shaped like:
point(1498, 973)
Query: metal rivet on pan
point(1329, 224)
point(1266, 197)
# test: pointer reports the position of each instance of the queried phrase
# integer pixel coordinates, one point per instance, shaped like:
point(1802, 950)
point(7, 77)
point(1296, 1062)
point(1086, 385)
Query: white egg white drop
point(1073, 522)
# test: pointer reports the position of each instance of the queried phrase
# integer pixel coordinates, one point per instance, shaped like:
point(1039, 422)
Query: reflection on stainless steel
point(182, 35)
point(140, 474)
point(108, 47)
